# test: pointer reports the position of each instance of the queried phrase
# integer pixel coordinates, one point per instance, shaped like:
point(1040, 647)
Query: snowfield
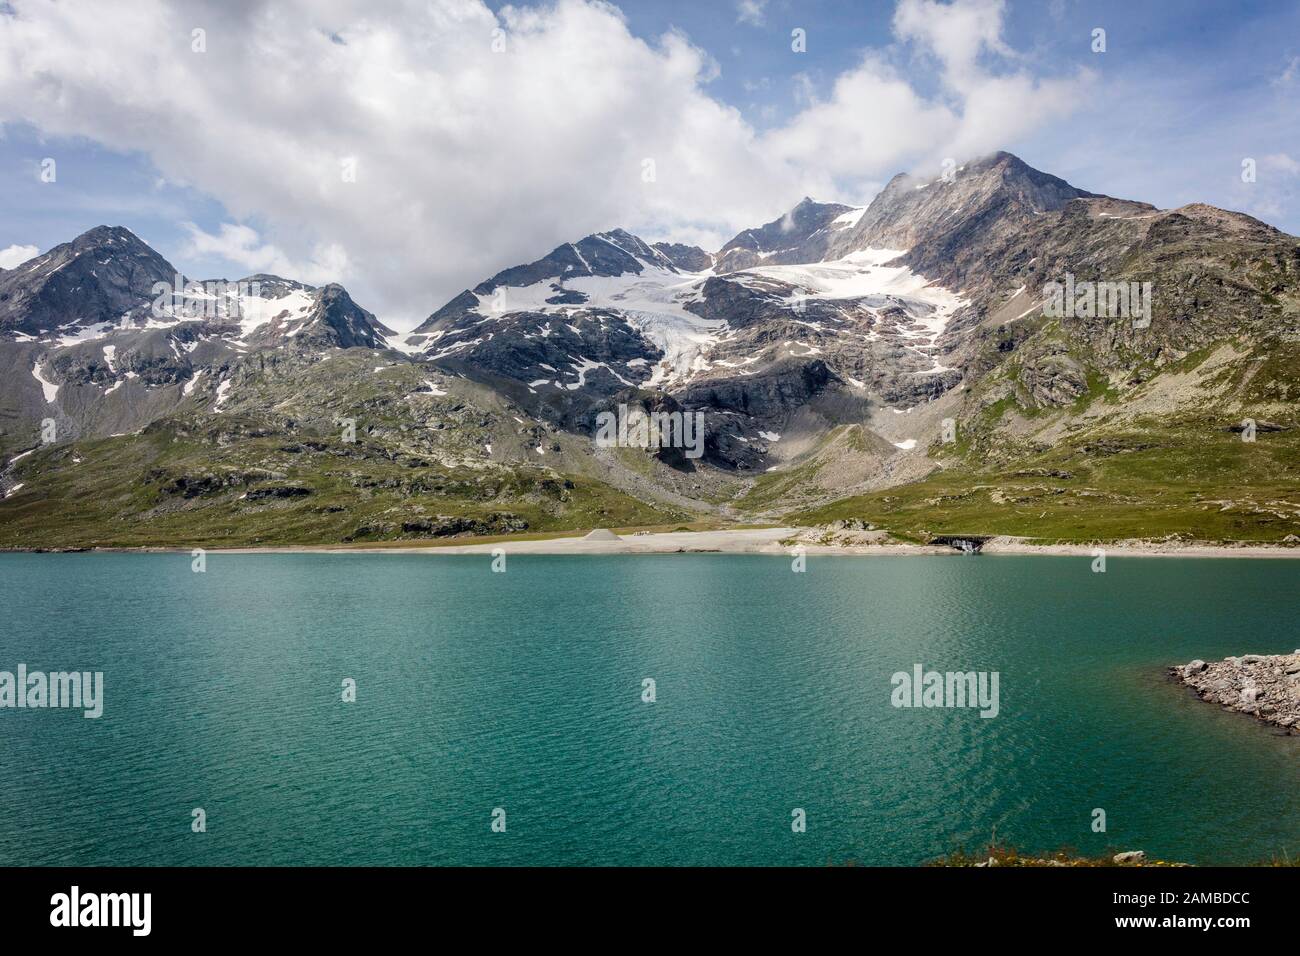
point(654, 302)
point(257, 311)
point(223, 392)
point(863, 275)
point(49, 388)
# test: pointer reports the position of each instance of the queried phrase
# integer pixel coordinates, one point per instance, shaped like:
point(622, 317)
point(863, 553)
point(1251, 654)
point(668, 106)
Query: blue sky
point(1188, 86)
point(472, 163)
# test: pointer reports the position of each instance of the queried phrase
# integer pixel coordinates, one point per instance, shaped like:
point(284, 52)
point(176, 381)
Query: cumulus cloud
point(871, 119)
point(956, 34)
point(16, 255)
point(875, 117)
point(412, 148)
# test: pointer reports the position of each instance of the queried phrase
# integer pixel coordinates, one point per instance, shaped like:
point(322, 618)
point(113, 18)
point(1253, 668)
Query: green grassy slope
point(1188, 478)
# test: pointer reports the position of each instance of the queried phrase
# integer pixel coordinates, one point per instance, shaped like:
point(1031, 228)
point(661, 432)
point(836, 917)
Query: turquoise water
point(522, 691)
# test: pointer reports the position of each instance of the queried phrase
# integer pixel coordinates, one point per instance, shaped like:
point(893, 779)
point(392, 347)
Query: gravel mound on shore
point(1265, 686)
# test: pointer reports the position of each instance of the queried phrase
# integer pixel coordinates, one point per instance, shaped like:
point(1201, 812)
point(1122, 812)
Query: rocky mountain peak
point(684, 257)
point(610, 253)
point(911, 210)
point(106, 235)
point(346, 324)
point(803, 234)
point(946, 224)
point(270, 286)
point(306, 317)
point(105, 275)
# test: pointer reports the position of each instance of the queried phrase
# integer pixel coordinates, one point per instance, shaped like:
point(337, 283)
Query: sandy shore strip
point(745, 541)
point(1140, 549)
point(738, 541)
point(770, 541)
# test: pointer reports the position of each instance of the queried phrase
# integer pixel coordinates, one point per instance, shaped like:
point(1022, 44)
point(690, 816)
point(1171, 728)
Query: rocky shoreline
point(1001, 855)
point(1265, 686)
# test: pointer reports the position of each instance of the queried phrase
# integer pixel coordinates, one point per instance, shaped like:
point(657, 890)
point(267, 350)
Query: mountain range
point(896, 365)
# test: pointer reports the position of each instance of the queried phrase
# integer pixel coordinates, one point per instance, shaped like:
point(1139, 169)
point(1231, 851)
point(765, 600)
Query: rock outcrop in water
point(1264, 686)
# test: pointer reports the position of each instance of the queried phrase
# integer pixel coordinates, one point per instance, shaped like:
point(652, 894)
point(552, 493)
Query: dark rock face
point(522, 345)
point(105, 275)
point(670, 449)
point(742, 305)
point(443, 526)
point(273, 492)
point(336, 321)
point(194, 486)
point(727, 447)
point(767, 395)
point(565, 296)
point(686, 258)
point(805, 234)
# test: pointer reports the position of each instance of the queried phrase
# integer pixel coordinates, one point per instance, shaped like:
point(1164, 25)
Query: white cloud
point(955, 33)
point(14, 256)
point(241, 245)
point(752, 12)
point(871, 119)
point(875, 117)
point(470, 160)
point(1283, 163)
